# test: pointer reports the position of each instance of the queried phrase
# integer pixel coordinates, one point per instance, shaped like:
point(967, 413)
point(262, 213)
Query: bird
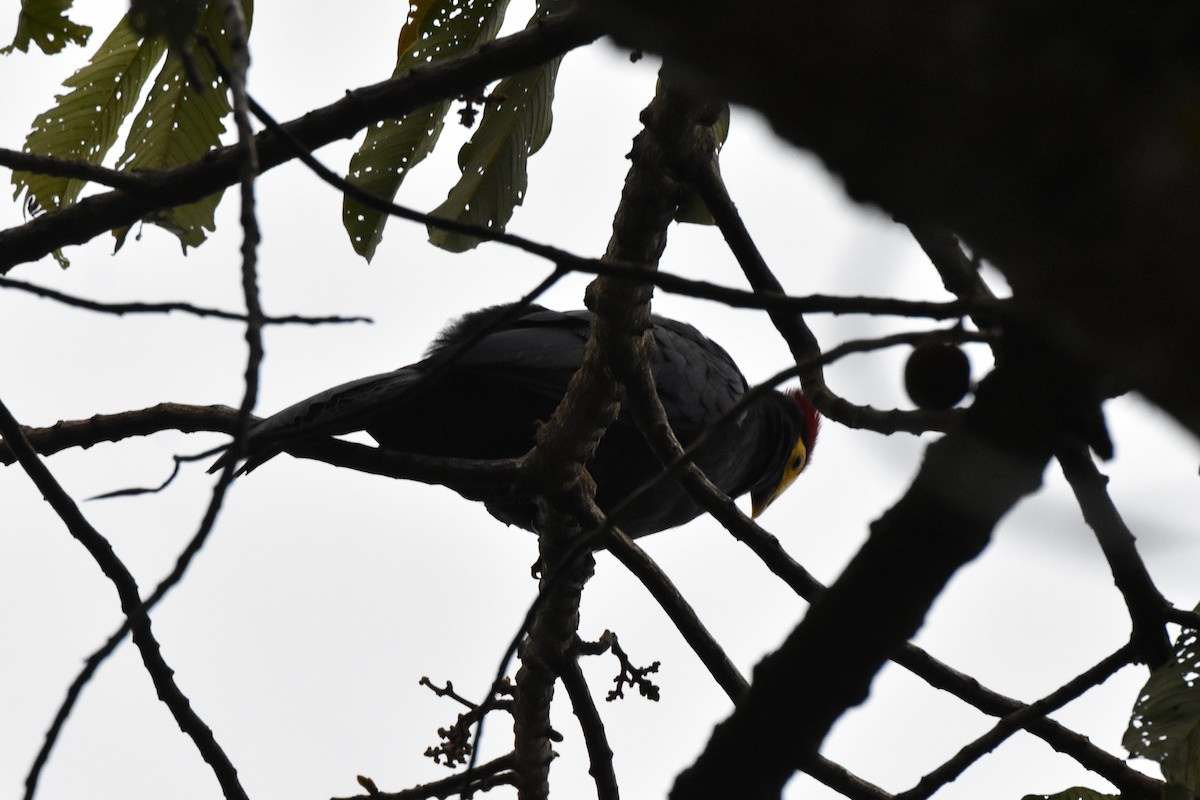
point(492, 377)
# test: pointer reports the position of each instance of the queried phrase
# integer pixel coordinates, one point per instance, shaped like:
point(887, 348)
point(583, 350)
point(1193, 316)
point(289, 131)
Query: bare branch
point(789, 322)
point(120, 309)
point(840, 779)
point(920, 663)
point(132, 182)
point(972, 752)
point(1147, 606)
point(131, 604)
point(682, 615)
point(478, 779)
point(595, 739)
point(969, 479)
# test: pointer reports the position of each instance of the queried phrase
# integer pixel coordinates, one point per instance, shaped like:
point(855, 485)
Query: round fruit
point(937, 376)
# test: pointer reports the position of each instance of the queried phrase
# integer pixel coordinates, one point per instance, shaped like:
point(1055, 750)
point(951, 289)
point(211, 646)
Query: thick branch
point(619, 333)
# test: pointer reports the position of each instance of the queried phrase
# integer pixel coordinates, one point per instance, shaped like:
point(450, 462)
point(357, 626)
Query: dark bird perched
point(485, 401)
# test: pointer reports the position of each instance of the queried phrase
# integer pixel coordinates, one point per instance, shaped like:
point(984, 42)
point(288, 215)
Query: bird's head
point(807, 425)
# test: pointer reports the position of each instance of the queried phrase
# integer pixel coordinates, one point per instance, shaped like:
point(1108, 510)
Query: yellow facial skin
point(796, 463)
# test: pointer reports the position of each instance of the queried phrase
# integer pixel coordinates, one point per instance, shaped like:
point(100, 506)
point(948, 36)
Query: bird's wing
point(538, 351)
point(342, 409)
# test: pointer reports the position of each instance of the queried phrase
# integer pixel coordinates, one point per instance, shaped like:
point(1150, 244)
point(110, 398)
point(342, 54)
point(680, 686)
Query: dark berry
point(937, 376)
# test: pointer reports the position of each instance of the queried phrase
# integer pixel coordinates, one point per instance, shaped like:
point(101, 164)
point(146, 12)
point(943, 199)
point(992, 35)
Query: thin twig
point(131, 604)
point(790, 322)
point(681, 613)
point(478, 779)
point(759, 299)
point(120, 309)
point(133, 182)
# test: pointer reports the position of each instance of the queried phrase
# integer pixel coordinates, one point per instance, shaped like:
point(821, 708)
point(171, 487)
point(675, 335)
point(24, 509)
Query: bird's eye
point(798, 463)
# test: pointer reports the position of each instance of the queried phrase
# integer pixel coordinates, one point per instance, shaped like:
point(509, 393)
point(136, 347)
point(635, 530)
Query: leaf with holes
point(494, 163)
point(1165, 725)
point(83, 124)
point(181, 123)
point(45, 23)
point(516, 123)
point(435, 30)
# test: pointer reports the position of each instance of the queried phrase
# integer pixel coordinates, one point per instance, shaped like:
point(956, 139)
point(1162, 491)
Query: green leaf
point(435, 30)
point(45, 23)
point(516, 123)
point(83, 124)
point(1165, 725)
point(1074, 793)
point(179, 123)
point(494, 162)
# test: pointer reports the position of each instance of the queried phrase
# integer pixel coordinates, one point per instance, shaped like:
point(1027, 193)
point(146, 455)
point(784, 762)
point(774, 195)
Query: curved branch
point(790, 322)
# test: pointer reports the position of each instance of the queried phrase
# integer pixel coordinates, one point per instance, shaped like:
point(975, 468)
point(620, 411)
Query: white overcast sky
point(324, 595)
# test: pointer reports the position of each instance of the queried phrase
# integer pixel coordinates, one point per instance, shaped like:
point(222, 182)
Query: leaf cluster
point(178, 122)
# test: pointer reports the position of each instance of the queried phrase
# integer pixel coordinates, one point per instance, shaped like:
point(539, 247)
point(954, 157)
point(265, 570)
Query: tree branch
point(120, 309)
point(969, 479)
point(132, 182)
point(131, 604)
point(790, 322)
point(1147, 607)
point(968, 755)
point(682, 615)
point(95, 215)
point(478, 779)
point(600, 754)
